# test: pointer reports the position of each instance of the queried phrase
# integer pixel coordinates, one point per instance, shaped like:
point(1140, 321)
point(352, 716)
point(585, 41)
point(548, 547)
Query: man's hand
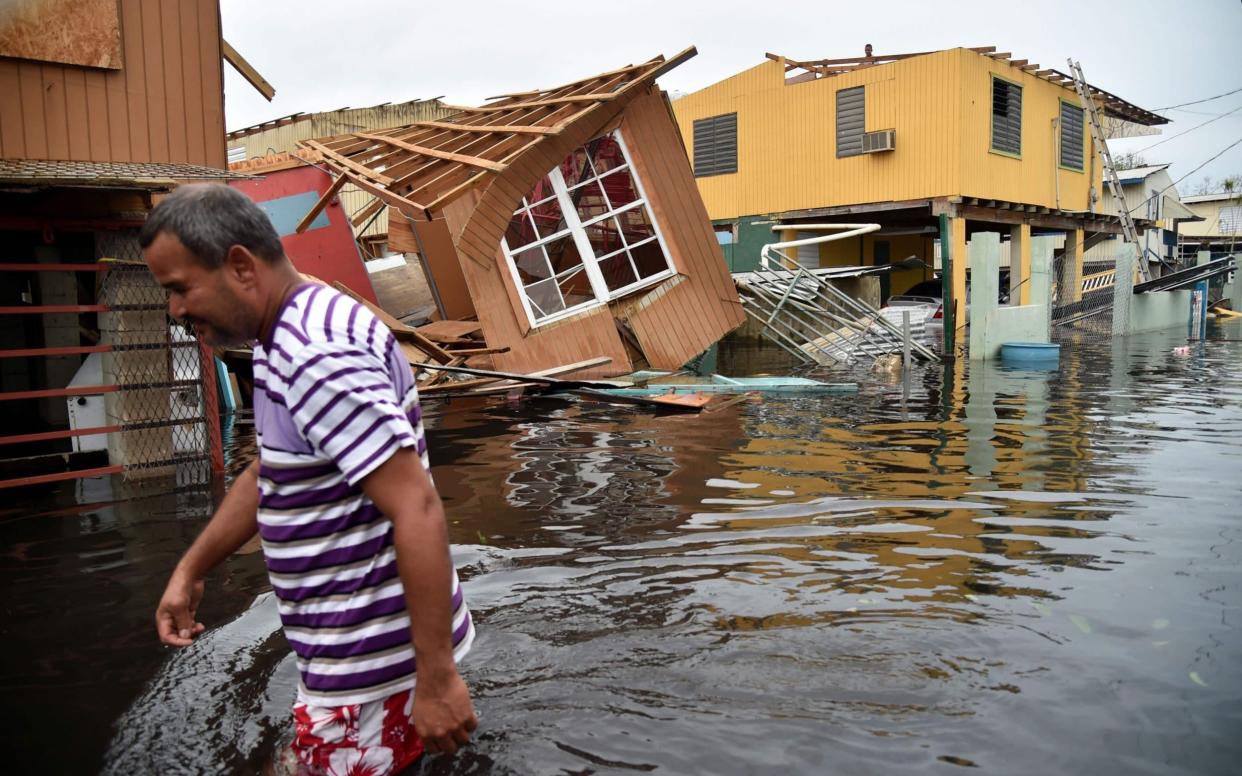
point(233, 524)
point(443, 715)
point(174, 617)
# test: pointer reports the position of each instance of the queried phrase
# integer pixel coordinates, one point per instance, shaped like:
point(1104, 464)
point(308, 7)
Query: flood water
point(1027, 572)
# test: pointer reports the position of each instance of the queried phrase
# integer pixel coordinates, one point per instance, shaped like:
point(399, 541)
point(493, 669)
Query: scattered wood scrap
point(459, 343)
point(491, 382)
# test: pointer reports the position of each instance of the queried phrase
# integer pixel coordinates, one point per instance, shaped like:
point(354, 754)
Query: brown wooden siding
point(676, 324)
point(674, 321)
point(165, 104)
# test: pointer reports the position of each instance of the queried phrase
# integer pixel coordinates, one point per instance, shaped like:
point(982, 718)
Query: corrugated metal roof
point(1139, 173)
point(140, 174)
point(1217, 197)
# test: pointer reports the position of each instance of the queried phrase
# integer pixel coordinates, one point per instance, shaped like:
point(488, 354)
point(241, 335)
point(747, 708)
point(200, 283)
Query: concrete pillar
point(1041, 274)
point(1123, 291)
point(1020, 264)
point(984, 253)
point(1074, 261)
point(957, 237)
point(1069, 283)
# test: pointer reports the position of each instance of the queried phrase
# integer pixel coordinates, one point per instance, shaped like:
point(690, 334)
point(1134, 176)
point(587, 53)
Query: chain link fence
point(1094, 299)
point(164, 409)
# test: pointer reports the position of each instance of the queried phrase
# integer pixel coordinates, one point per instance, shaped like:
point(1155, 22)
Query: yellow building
point(991, 142)
point(1220, 227)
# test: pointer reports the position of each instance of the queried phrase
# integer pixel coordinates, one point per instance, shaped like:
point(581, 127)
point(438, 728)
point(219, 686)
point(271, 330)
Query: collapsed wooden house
point(566, 220)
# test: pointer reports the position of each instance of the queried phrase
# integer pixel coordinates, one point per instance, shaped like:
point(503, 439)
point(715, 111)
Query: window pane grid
point(597, 204)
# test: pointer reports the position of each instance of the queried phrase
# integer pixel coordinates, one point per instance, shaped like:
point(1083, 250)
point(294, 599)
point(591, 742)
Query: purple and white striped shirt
point(334, 398)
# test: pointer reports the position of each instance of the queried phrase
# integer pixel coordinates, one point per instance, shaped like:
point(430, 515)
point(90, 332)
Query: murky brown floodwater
point(1031, 572)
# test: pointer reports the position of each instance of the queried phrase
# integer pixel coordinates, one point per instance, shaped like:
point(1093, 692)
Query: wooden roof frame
point(422, 167)
point(1109, 102)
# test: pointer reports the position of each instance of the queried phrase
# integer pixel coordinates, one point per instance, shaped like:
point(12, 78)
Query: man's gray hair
point(209, 219)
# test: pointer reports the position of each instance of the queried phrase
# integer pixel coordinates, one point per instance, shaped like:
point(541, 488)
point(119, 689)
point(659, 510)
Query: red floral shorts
point(368, 739)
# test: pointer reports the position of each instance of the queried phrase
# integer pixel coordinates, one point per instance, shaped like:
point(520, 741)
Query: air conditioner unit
point(884, 140)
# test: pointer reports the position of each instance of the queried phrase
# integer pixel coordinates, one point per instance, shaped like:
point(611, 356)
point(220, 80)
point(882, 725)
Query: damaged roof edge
point(1110, 103)
point(424, 166)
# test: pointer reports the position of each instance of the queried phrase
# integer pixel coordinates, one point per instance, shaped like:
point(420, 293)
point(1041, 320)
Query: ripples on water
point(1030, 572)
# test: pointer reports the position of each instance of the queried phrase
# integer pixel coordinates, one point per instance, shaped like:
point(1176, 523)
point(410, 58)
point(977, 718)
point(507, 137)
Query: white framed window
point(584, 234)
point(1230, 220)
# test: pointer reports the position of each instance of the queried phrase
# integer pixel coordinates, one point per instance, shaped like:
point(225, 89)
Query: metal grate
point(715, 145)
point(1072, 132)
point(851, 113)
point(162, 406)
point(1006, 116)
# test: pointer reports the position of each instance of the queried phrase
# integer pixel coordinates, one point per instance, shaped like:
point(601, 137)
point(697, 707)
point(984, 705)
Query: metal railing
point(811, 318)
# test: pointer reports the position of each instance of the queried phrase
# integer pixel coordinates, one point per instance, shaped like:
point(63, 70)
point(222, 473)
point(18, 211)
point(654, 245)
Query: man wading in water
point(353, 531)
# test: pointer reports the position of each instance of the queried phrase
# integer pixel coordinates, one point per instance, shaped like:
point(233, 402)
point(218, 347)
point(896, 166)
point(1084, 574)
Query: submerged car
point(927, 297)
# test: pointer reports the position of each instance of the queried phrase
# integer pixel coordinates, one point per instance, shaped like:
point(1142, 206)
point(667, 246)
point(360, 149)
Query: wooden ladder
point(1110, 172)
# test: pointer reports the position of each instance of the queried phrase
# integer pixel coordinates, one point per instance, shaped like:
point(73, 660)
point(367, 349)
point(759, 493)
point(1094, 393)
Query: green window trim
point(1082, 168)
point(1010, 121)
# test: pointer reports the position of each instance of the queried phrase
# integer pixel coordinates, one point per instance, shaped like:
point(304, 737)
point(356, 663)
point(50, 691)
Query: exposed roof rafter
point(1111, 104)
point(436, 162)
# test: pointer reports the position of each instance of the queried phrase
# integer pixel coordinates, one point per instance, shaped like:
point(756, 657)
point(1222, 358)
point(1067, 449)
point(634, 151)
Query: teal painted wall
point(752, 233)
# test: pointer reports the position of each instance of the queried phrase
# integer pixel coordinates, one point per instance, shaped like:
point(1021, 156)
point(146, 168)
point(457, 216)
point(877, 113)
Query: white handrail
point(855, 230)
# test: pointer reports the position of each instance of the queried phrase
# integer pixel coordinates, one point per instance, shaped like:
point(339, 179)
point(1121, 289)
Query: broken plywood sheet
point(448, 331)
point(400, 286)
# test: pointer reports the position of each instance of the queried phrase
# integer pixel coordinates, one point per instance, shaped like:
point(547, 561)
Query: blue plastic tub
point(1037, 354)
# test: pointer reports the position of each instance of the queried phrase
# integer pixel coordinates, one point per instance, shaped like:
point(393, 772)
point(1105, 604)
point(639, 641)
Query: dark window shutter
point(715, 145)
point(1071, 136)
point(851, 111)
point(1006, 117)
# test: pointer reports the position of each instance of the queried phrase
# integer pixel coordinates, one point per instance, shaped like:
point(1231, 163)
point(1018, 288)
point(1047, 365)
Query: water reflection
point(1026, 571)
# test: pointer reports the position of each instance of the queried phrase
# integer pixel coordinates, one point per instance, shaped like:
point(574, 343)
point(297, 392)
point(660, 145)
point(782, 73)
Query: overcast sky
point(324, 56)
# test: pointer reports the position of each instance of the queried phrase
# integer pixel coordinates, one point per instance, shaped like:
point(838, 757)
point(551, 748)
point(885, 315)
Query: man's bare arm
point(233, 524)
point(401, 488)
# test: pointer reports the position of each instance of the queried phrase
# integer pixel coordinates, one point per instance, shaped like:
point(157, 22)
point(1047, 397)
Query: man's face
point(206, 298)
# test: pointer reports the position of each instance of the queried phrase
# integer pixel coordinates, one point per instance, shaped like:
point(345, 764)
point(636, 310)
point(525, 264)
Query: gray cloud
point(322, 56)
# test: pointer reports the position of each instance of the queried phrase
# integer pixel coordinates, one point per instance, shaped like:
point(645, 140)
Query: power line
point(1192, 129)
point(1187, 175)
point(1205, 99)
point(1197, 112)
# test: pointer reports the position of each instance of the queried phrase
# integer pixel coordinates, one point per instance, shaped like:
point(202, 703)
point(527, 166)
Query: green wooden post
point(946, 286)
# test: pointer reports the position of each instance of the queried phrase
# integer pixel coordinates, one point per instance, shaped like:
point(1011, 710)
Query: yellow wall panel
point(940, 106)
point(1035, 177)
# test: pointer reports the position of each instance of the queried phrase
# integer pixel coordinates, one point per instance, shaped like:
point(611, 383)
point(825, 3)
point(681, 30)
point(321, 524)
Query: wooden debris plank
point(448, 156)
point(441, 377)
point(399, 329)
point(620, 70)
point(677, 403)
point(452, 329)
point(463, 385)
point(371, 209)
point(597, 97)
point(454, 342)
point(344, 161)
point(511, 129)
point(726, 403)
point(413, 354)
point(321, 203)
point(580, 366)
point(247, 70)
